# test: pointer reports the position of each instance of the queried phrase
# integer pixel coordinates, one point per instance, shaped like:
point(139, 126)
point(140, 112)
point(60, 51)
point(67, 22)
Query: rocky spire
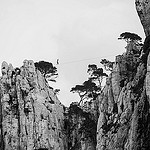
point(31, 116)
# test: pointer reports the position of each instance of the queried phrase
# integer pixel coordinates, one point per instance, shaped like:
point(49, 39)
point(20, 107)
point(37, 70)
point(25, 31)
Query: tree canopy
point(92, 87)
point(108, 65)
point(96, 74)
point(87, 90)
point(47, 69)
point(128, 37)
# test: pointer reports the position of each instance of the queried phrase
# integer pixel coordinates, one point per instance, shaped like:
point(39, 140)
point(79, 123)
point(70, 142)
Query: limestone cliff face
point(124, 121)
point(143, 10)
point(31, 116)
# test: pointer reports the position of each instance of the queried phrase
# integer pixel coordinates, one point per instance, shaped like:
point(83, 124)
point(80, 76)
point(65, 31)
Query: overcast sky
point(77, 32)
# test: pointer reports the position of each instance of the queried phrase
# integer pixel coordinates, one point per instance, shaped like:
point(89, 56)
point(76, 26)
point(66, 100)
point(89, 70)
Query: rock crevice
point(31, 115)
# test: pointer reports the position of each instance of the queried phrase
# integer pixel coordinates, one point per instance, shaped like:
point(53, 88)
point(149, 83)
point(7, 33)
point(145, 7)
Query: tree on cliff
point(129, 37)
point(92, 87)
point(87, 90)
point(108, 65)
point(47, 69)
point(96, 74)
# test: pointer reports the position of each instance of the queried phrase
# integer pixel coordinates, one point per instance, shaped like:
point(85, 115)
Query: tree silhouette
point(91, 88)
point(47, 69)
point(96, 74)
point(108, 65)
point(80, 89)
point(128, 37)
point(87, 90)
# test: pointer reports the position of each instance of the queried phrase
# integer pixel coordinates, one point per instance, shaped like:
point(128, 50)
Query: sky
point(77, 32)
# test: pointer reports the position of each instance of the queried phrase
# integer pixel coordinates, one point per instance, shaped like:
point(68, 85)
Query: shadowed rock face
point(81, 125)
point(31, 116)
point(143, 10)
point(124, 121)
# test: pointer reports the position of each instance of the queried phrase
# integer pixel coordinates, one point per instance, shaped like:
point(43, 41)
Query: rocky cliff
point(143, 10)
point(124, 105)
point(124, 121)
point(31, 116)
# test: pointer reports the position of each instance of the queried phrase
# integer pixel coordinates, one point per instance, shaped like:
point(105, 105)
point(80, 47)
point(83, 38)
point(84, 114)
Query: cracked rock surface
point(31, 116)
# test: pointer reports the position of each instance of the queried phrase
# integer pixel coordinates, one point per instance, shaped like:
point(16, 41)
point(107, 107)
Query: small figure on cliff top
point(57, 63)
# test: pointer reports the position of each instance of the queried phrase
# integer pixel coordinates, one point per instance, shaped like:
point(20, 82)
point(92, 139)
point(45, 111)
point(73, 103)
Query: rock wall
point(81, 125)
point(143, 10)
point(31, 116)
point(124, 121)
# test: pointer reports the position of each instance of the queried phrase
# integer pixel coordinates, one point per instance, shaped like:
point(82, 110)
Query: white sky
point(78, 32)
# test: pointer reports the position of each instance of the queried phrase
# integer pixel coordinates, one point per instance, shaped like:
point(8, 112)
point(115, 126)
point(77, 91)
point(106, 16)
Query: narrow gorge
point(33, 118)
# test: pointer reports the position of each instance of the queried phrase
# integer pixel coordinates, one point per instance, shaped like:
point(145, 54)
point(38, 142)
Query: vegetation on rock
point(108, 65)
point(92, 87)
point(87, 90)
point(47, 69)
point(80, 126)
point(128, 37)
point(96, 74)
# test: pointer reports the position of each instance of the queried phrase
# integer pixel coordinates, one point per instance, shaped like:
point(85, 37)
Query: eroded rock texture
point(31, 116)
point(124, 121)
point(143, 10)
